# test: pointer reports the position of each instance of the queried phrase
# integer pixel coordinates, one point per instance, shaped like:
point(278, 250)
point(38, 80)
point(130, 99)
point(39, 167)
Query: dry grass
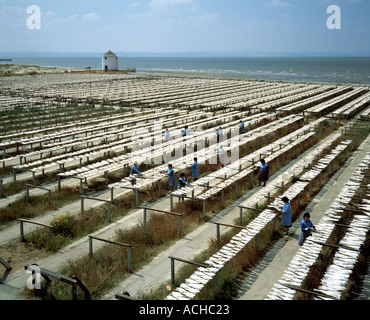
point(109, 263)
point(31, 208)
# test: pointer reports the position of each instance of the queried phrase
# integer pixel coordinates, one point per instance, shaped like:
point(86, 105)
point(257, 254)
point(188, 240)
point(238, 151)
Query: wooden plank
point(161, 211)
point(230, 225)
point(36, 223)
point(111, 242)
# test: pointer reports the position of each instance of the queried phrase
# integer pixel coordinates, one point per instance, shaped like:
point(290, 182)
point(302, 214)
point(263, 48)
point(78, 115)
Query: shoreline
point(11, 70)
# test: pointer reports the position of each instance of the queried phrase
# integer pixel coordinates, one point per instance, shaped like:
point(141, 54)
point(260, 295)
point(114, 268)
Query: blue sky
point(230, 27)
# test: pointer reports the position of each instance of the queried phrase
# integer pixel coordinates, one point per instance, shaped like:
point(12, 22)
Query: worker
point(134, 170)
point(222, 155)
point(242, 127)
point(182, 183)
point(171, 178)
point(264, 173)
point(167, 136)
point(195, 170)
point(185, 132)
point(219, 135)
point(286, 211)
point(306, 228)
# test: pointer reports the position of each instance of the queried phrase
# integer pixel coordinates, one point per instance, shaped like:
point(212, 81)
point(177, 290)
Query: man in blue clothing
point(242, 127)
point(185, 132)
point(167, 136)
point(182, 184)
point(306, 228)
point(219, 135)
point(195, 169)
point(264, 173)
point(222, 155)
point(134, 170)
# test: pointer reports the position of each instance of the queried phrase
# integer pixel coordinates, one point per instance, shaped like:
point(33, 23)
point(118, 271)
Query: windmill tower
point(110, 61)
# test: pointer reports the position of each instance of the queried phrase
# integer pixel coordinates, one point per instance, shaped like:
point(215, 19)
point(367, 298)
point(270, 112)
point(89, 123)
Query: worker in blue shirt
point(264, 173)
point(195, 169)
point(182, 183)
point(242, 127)
point(222, 155)
point(185, 132)
point(171, 178)
point(306, 228)
point(219, 135)
point(167, 136)
point(286, 211)
point(134, 170)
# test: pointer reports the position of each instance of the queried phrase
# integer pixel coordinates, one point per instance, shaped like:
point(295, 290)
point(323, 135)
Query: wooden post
point(137, 197)
point(74, 291)
point(218, 232)
point(7, 266)
point(129, 259)
point(27, 192)
point(1, 188)
point(332, 166)
point(145, 213)
point(82, 206)
point(90, 247)
point(179, 225)
point(173, 272)
point(204, 208)
point(50, 233)
point(109, 213)
point(22, 231)
point(216, 282)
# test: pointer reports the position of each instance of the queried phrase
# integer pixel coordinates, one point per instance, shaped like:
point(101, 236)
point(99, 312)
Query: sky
point(220, 27)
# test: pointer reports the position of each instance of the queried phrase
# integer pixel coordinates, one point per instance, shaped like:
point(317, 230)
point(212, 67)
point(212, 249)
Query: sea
point(334, 70)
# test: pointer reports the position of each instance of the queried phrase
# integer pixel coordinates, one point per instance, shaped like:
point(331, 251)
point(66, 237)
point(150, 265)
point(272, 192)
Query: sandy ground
point(11, 70)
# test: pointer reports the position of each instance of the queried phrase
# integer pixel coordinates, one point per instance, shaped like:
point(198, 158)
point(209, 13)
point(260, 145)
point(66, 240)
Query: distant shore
point(9, 70)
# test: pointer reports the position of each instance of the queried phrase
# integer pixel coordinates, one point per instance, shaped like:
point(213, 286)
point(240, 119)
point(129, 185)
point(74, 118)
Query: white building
point(110, 61)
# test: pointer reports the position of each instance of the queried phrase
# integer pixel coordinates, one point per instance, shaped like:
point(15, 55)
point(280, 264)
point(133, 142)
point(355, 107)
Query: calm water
point(333, 70)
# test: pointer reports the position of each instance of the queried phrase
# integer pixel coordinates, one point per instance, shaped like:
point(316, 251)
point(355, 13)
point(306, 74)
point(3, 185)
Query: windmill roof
point(109, 53)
